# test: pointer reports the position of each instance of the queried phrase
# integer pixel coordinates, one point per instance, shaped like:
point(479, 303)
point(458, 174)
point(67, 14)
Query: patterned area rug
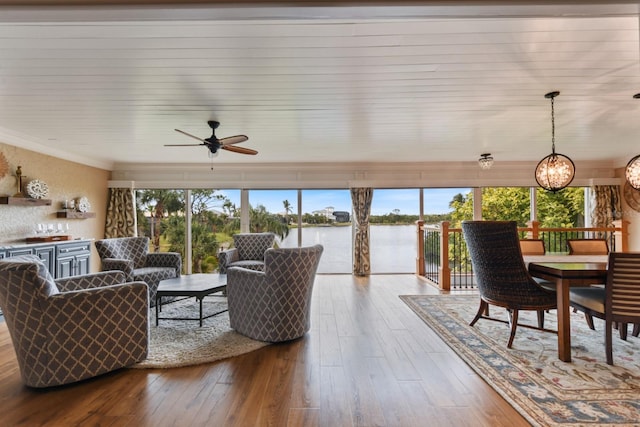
point(546, 391)
point(176, 343)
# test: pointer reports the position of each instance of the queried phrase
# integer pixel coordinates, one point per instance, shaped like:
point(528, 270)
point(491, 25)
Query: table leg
point(200, 311)
point(157, 308)
point(564, 327)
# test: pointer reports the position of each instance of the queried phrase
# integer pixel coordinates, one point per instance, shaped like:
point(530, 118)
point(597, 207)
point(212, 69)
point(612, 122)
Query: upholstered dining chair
point(618, 302)
point(131, 256)
point(588, 247)
point(501, 275)
point(248, 251)
point(75, 328)
point(274, 305)
point(532, 247)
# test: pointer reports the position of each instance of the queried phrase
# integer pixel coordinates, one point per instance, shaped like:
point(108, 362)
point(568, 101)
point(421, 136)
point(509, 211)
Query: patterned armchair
point(248, 251)
point(273, 305)
point(131, 256)
point(75, 328)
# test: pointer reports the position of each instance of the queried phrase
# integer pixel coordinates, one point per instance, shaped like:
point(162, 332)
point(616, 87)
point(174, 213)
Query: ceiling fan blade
point(239, 149)
point(233, 140)
point(183, 145)
point(192, 136)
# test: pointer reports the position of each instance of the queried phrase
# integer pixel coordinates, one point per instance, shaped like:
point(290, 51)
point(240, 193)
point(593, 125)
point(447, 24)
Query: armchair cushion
point(91, 328)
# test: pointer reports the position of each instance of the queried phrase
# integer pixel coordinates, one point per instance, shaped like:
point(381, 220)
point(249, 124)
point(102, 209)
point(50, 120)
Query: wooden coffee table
point(191, 285)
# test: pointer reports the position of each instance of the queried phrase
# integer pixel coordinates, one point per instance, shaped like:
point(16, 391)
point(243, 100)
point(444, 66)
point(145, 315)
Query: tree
point(561, 209)
point(168, 216)
point(159, 203)
point(287, 210)
point(260, 220)
point(203, 245)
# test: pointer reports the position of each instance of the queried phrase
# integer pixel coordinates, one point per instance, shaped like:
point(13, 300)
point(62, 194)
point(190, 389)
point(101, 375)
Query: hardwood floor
point(368, 361)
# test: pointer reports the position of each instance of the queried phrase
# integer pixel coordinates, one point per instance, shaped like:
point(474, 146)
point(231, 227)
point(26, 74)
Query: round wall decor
point(632, 197)
point(37, 189)
point(83, 204)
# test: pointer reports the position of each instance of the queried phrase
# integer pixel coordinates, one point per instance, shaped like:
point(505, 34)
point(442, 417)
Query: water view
point(393, 247)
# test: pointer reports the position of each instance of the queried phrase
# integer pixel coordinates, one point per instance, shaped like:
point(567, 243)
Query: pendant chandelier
point(556, 171)
point(632, 171)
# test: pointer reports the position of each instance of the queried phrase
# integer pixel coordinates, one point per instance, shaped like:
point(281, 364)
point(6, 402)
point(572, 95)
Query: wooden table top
point(569, 269)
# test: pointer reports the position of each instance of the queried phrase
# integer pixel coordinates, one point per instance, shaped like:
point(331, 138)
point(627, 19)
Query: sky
point(407, 201)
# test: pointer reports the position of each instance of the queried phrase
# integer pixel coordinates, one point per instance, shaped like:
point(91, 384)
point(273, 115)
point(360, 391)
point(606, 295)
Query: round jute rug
point(177, 343)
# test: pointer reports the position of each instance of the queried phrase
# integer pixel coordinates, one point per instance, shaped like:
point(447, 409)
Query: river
point(393, 247)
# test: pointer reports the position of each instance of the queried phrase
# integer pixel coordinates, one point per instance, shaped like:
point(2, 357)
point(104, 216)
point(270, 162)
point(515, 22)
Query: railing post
point(535, 229)
point(420, 255)
point(621, 235)
point(445, 271)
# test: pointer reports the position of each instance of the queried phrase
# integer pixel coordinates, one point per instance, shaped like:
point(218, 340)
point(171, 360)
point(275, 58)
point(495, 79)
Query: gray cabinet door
point(64, 267)
point(82, 264)
point(72, 259)
point(47, 254)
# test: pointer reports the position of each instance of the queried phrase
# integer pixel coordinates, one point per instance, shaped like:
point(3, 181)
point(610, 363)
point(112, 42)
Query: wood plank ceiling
point(326, 84)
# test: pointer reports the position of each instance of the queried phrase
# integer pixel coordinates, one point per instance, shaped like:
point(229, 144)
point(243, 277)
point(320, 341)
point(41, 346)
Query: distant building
point(341, 216)
point(326, 212)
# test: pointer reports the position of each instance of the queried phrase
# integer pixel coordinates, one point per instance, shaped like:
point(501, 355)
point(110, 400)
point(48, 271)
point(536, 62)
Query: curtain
point(361, 199)
point(121, 214)
point(606, 205)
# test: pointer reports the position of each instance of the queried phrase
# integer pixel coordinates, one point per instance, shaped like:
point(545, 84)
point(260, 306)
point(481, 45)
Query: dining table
point(566, 272)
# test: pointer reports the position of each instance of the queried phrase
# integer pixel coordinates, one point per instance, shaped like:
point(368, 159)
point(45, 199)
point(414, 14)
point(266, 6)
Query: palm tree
point(161, 202)
point(287, 210)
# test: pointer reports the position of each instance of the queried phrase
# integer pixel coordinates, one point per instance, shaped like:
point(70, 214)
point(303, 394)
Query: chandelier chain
point(553, 129)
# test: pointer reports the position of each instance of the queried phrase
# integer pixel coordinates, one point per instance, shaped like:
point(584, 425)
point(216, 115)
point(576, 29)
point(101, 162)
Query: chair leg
point(541, 319)
point(622, 328)
point(484, 306)
point(608, 342)
point(589, 319)
point(514, 325)
point(636, 329)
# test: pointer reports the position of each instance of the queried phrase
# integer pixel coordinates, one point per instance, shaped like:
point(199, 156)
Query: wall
point(66, 180)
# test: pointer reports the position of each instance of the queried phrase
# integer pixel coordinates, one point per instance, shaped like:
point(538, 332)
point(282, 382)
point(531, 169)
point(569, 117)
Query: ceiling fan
point(214, 144)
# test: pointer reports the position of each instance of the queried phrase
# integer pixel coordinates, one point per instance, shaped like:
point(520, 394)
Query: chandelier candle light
point(632, 171)
point(556, 171)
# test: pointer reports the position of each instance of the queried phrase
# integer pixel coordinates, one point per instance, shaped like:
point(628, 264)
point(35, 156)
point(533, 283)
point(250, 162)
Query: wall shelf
point(24, 201)
point(75, 214)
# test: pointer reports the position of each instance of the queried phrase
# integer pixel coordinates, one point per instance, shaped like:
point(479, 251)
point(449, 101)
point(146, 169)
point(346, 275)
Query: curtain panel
point(121, 214)
point(361, 199)
point(606, 204)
